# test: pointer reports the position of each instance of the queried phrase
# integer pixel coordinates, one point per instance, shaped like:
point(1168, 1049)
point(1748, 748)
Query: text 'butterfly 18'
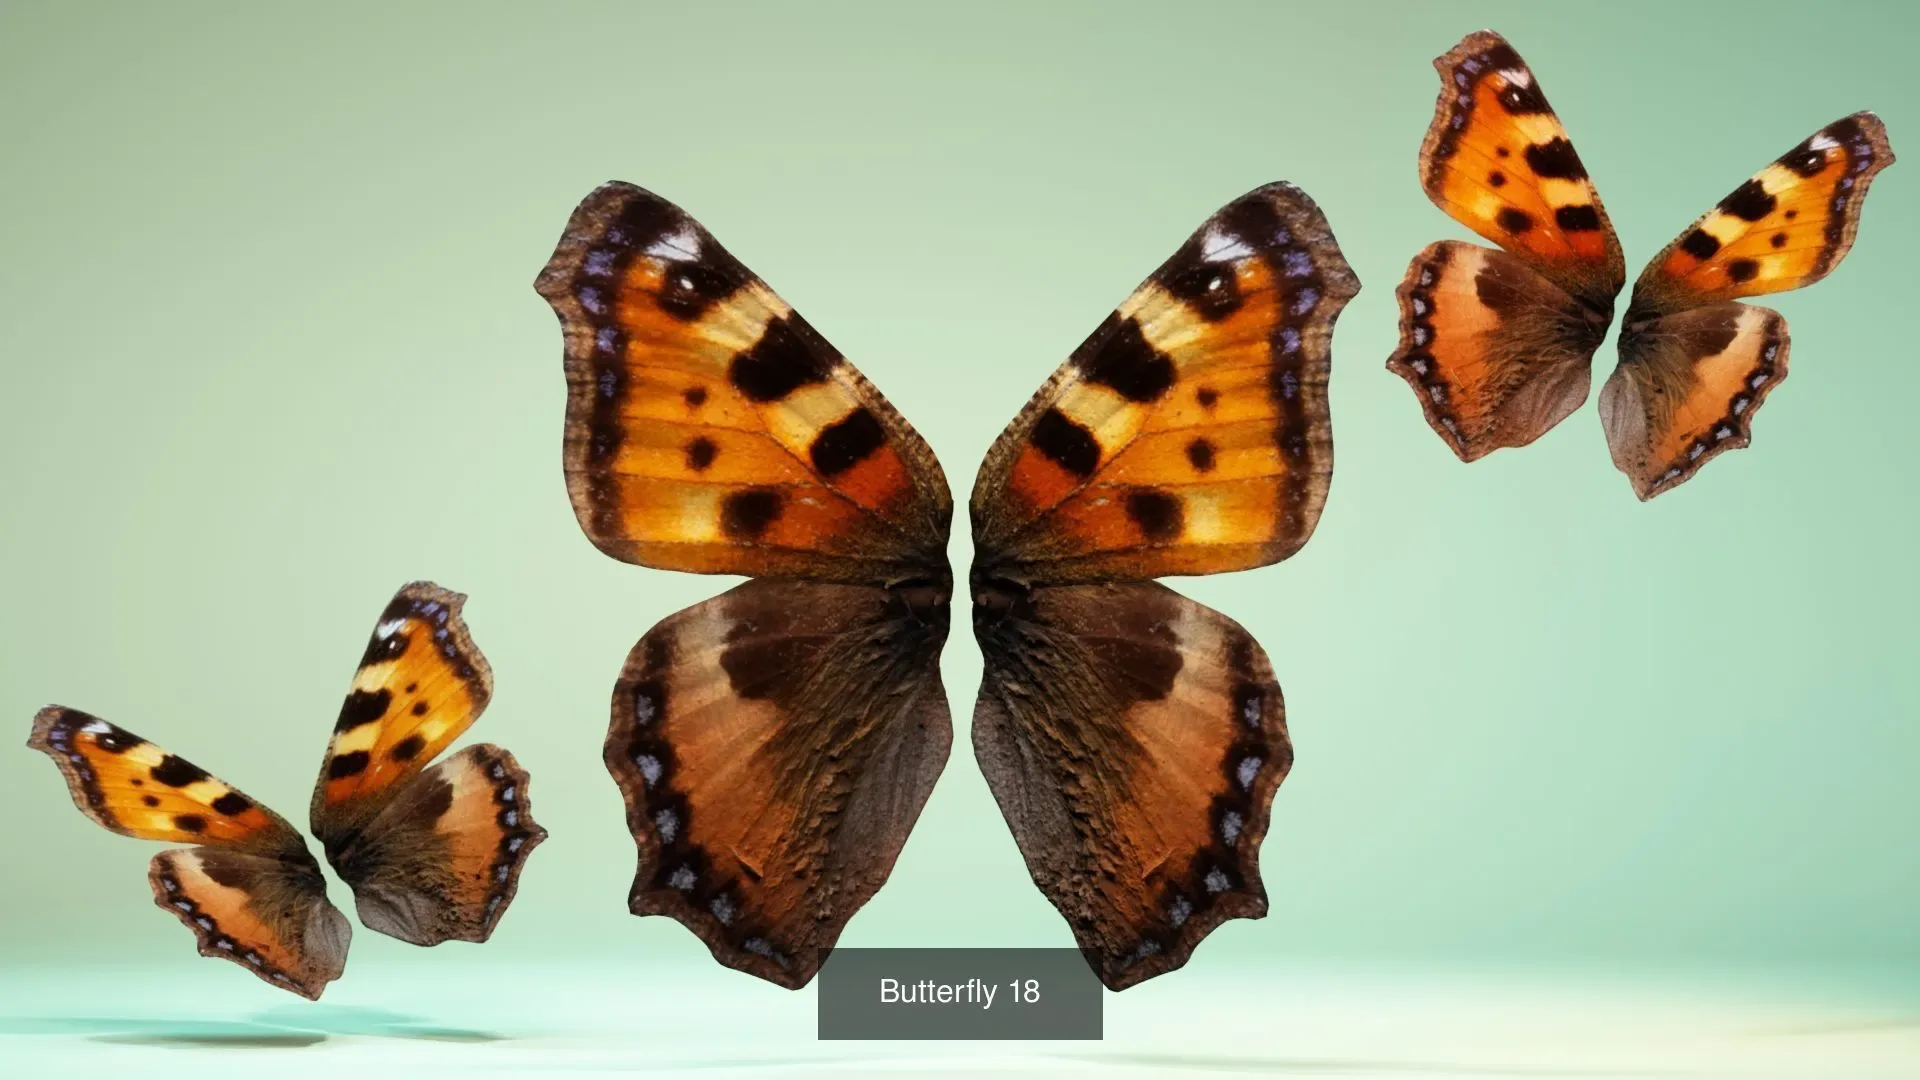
point(1499, 344)
point(432, 853)
point(776, 744)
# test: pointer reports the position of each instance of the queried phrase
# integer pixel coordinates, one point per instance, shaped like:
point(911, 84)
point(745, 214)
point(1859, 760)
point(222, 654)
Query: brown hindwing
point(443, 860)
point(1687, 389)
point(1496, 354)
point(1134, 740)
point(774, 746)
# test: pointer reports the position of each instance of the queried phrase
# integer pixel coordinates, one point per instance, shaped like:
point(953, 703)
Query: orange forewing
point(420, 684)
point(709, 427)
point(1189, 433)
point(129, 785)
point(1498, 161)
point(1787, 226)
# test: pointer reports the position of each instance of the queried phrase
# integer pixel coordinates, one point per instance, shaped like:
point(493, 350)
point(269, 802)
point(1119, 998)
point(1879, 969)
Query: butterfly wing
point(250, 892)
point(1134, 740)
point(1786, 227)
point(1690, 393)
point(1497, 353)
point(1498, 345)
point(431, 853)
point(710, 428)
point(1497, 159)
point(442, 861)
point(1695, 366)
point(775, 746)
point(1190, 433)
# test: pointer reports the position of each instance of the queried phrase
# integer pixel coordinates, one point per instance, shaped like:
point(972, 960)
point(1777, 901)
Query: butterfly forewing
point(250, 893)
point(1498, 161)
point(1786, 227)
point(1189, 434)
point(709, 428)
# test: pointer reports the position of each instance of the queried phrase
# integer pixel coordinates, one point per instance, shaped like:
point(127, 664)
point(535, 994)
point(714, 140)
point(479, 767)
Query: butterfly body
point(1498, 343)
point(775, 744)
point(432, 852)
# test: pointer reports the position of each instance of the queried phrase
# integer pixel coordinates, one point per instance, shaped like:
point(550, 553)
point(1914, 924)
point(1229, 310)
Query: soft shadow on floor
point(283, 1027)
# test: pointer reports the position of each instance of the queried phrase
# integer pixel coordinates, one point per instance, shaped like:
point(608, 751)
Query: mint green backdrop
point(271, 349)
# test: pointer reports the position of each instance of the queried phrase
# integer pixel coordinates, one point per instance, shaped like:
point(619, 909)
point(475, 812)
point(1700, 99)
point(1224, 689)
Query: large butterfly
point(1498, 344)
point(432, 854)
point(776, 744)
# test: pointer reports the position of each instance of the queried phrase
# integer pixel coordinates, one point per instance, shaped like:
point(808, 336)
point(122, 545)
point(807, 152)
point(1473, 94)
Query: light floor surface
point(512, 1021)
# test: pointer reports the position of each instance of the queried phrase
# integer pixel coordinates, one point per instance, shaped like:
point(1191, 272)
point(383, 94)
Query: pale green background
point(271, 349)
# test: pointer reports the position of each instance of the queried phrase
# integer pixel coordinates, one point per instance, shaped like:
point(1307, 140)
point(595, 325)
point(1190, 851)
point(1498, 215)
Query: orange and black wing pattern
point(1498, 161)
point(1786, 227)
point(1190, 433)
point(1695, 366)
point(1498, 344)
point(420, 684)
point(433, 852)
point(250, 892)
point(709, 428)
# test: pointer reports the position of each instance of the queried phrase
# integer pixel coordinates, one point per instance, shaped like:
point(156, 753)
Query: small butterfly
point(1498, 345)
point(776, 744)
point(431, 855)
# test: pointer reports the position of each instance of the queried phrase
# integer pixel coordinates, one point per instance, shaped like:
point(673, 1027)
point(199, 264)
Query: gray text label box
point(959, 994)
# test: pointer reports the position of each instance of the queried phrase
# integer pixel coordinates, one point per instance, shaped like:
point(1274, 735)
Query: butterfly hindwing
point(420, 684)
point(1690, 391)
point(443, 859)
point(1496, 353)
point(1134, 740)
point(775, 745)
point(1786, 227)
point(266, 913)
point(1498, 161)
point(709, 427)
point(251, 893)
point(1189, 434)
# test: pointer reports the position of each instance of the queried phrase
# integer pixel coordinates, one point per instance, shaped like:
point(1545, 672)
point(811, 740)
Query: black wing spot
point(1157, 513)
point(781, 362)
point(1743, 270)
point(747, 515)
point(363, 707)
point(178, 772)
point(1066, 443)
point(408, 748)
point(1555, 160)
point(1701, 245)
point(1749, 202)
point(700, 453)
point(1582, 218)
point(232, 804)
point(345, 765)
point(847, 442)
point(1514, 221)
point(1200, 454)
point(1126, 363)
point(190, 823)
